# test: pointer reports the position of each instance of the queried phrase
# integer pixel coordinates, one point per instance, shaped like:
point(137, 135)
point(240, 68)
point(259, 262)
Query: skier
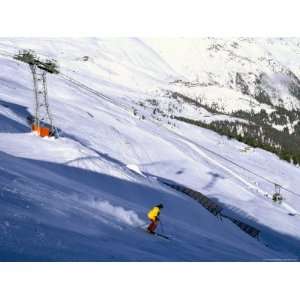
point(153, 214)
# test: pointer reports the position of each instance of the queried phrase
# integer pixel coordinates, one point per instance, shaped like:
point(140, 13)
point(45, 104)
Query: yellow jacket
point(153, 213)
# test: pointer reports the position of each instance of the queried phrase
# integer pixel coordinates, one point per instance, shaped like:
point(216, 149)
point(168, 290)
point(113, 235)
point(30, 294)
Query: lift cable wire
point(101, 95)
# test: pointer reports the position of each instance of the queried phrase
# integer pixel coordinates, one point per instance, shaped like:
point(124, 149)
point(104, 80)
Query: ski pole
point(162, 227)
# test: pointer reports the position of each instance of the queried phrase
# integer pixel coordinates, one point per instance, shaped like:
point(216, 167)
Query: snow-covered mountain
point(236, 71)
point(85, 195)
point(256, 80)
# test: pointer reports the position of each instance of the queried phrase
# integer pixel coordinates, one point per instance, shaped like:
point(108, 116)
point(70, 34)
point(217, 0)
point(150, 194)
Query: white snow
point(212, 63)
point(118, 213)
point(85, 196)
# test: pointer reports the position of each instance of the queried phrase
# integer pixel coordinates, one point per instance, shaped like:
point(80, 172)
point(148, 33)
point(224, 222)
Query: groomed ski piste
point(85, 196)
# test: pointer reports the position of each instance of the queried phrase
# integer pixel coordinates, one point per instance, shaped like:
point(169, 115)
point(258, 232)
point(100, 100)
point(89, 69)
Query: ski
point(163, 236)
point(158, 234)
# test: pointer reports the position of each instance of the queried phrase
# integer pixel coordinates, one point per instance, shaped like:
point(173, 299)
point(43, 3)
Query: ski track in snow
point(85, 195)
point(252, 187)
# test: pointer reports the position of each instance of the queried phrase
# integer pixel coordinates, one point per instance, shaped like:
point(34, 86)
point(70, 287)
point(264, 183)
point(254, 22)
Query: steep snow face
point(85, 196)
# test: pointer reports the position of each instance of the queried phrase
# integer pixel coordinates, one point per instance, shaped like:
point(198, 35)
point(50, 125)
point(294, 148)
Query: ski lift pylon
point(42, 122)
point(277, 197)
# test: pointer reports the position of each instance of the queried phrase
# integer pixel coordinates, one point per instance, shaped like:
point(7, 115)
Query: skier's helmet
point(160, 206)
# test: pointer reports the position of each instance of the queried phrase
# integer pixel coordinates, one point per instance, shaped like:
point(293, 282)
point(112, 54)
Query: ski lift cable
point(75, 82)
point(242, 167)
point(79, 84)
point(91, 90)
point(249, 171)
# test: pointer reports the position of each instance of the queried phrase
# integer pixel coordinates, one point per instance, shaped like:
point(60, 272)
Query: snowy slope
point(211, 65)
point(85, 195)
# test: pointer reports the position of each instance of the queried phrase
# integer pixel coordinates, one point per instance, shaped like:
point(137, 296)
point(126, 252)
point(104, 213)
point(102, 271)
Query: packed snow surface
point(85, 196)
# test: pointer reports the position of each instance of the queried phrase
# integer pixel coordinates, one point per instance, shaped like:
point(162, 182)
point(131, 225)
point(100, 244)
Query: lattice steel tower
point(42, 122)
